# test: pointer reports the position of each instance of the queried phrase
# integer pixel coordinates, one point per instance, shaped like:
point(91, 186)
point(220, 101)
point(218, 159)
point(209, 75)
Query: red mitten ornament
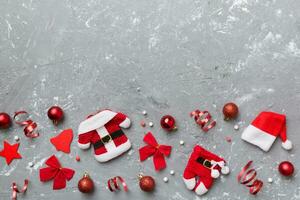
point(205, 166)
point(62, 142)
point(156, 150)
point(10, 152)
point(103, 131)
point(56, 172)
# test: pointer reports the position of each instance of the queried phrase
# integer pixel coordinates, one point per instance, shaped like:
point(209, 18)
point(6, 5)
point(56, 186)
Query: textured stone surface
point(183, 55)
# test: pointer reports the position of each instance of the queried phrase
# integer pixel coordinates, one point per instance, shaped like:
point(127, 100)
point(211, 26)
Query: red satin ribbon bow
point(156, 150)
point(55, 171)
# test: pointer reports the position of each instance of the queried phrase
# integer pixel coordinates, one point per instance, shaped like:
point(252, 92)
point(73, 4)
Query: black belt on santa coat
point(106, 139)
point(204, 162)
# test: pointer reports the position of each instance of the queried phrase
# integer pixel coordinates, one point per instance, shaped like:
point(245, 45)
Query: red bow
point(156, 150)
point(56, 172)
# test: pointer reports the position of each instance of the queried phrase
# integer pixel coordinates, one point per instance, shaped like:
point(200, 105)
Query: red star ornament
point(10, 152)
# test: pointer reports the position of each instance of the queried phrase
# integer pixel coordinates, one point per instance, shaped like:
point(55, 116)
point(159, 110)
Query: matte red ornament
point(56, 172)
point(147, 183)
point(286, 168)
point(86, 184)
point(168, 123)
point(230, 111)
point(5, 120)
point(55, 113)
point(10, 152)
point(62, 141)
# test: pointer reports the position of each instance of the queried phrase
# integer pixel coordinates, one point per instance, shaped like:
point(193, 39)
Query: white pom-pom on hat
point(287, 145)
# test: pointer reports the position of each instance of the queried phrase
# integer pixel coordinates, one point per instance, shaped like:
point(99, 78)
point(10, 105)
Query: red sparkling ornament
point(167, 122)
point(55, 113)
point(86, 184)
point(147, 183)
point(230, 111)
point(286, 168)
point(5, 120)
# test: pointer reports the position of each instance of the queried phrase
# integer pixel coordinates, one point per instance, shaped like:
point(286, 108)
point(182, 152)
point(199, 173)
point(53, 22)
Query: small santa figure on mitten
point(202, 167)
point(103, 131)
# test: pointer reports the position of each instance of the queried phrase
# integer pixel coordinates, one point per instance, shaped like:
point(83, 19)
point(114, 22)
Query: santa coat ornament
point(103, 131)
point(264, 130)
point(202, 167)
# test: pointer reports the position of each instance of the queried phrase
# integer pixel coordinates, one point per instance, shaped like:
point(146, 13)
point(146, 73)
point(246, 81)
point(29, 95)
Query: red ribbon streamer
point(203, 119)
point(30, 126)
point(15, 189)
point(246, 176)
point(156, 150)
point(113, 184)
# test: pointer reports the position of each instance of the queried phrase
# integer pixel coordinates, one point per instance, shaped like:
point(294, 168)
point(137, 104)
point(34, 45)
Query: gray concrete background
point(86, 55)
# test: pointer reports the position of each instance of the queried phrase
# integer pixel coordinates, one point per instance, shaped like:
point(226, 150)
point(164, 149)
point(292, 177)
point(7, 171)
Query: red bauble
point(86, 184)
point(55, 113)
point(5, 120)
point(167, 122)
point(147, 183)
point(230, 111)
point(286, 168)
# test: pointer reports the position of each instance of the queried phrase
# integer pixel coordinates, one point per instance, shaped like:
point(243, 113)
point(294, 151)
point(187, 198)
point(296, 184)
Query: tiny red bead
point(77, 158)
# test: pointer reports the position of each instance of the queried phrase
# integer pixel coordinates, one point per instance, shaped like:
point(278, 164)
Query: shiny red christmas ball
point(230, 111)
point(55, 113)
point(286, 168)
point(147, 183)
point(5, 120)
point(86, 184)
point(167, 122)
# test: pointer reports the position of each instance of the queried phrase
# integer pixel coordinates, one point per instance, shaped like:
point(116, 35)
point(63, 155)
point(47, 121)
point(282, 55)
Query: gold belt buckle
point(204, 164)
point(106, 139)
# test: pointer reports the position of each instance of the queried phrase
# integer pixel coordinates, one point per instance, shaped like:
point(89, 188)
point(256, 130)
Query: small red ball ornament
point(86, 184)
point(147, 183)
point(230, 111)
point(55, 113)
point(286, 168)
point(5, 120)
point(167, 122)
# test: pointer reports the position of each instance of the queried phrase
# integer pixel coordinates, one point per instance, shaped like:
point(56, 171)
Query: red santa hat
point(264, 130)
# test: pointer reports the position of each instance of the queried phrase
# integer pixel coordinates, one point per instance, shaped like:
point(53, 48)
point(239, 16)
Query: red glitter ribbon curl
point(247, 177)
point(203, 119)
point(113, 184)
point(15, 189)
point(30, 129)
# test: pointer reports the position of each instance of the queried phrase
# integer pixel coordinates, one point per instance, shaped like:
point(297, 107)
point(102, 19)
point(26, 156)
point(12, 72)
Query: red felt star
point(10, 152)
